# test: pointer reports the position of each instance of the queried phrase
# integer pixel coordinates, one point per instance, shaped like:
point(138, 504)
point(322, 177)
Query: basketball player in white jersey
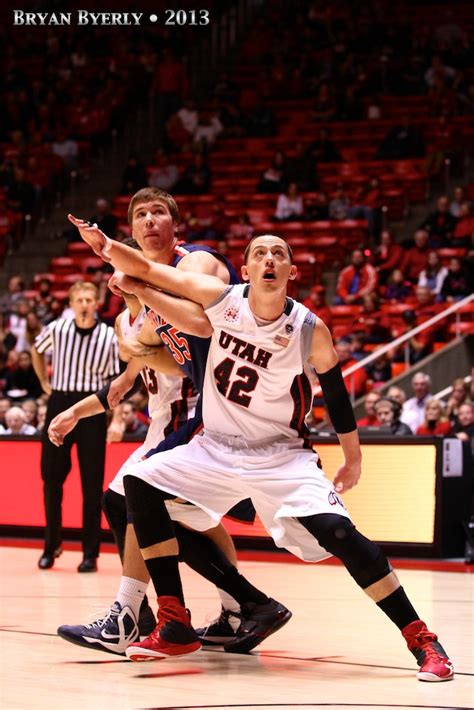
point(254, 443)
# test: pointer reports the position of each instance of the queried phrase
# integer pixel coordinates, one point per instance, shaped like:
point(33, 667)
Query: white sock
point(227, 601)
point(131, 592)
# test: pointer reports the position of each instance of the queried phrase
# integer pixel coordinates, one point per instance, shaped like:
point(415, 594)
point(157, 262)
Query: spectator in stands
point(43, 298)
point(366, 204)
point(164, 173)
point(339, 205)
point(67, 149)
point(379, 370)
point(325, 107)
point(371, 321)
point(316, 302)
point(33, 328)
point(463, 234)
point(290, 204)
point(197, 177)
point(14, 293)
point(323, 150)
point(356, 280)
point(132, 425)
point(17, 325)
point(357, 345)
point(435, 423)
point(5, 404)
point(370, 418)
point(30, 407)
point(134, 176)
point(41, 416)
point(317, 207)
point(438, 70)
point(181, 126)
point(21, 196)
point(23, 382)
point(104, 218)
point(459, 198)
point(242, 228)
point(387, 256)
point(207, 130)
point(274, 178)
point(416, 258)
point(459, 281)
point(433, 276)
point(439, 224)
point(413, 412)
point(388, 412)
point(401, 142)
point(261, 120)
point(459, 395)
point(464, 427)
point(398, 288)
point(397, 394)
point(15, 420)
point(225, 89)
point(356, 383)
point(170, 85)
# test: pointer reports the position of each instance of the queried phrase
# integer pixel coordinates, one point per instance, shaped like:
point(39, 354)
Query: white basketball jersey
point(255, 385)
point(166, 393)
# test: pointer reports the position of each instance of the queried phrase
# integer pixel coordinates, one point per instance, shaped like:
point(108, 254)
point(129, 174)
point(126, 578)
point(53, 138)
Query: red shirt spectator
point(316, 303)
point(387, 257)
point(436, 422)
point(416, 258)
point(356, 280)
point(370, 418)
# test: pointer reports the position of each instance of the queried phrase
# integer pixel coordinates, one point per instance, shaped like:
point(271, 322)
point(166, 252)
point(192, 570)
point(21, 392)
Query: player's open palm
point(91, 234)
point(347, 477)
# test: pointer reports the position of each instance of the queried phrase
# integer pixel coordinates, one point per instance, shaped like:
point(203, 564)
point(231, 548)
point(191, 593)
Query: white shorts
point(282, 479)
point(189, 515)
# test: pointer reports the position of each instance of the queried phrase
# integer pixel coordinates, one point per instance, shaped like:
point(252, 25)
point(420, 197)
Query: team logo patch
point(231, 315)
point(289, 329)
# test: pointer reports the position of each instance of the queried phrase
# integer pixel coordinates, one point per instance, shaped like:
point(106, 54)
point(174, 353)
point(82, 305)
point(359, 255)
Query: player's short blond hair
point(147, 194)
point(83, 286)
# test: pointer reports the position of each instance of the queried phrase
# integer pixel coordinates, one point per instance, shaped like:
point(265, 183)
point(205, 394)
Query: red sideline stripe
point(262, 556)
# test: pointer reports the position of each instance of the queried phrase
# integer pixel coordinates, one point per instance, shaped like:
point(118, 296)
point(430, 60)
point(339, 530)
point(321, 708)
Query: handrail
point(403, 338)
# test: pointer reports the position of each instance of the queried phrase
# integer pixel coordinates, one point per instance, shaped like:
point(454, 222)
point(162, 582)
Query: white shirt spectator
point(413, 412)
point(438, 280)
point(189, 119)
point(15, 419)
point(208, 132)
point(165, 177)
point(289, 207)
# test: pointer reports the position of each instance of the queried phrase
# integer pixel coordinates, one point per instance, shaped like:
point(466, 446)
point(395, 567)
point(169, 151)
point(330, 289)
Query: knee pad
point(115, 510)
point(150, 517)
point(363, 559)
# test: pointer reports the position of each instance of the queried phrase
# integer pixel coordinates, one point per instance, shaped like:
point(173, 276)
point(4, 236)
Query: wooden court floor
point(338, 650)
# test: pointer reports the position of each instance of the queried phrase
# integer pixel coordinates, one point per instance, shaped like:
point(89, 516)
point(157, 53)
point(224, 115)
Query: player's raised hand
point(60, 426)
point(347, 477)
point(92, 235)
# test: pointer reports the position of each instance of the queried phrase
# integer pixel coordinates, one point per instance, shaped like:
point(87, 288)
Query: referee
point(84, 359)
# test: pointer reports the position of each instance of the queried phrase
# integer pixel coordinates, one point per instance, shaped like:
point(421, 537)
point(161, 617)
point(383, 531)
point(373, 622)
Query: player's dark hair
point(256, 236)
point(147, 194)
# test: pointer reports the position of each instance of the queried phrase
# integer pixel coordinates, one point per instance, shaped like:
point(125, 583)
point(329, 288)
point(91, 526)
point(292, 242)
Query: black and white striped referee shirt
point(83, 359)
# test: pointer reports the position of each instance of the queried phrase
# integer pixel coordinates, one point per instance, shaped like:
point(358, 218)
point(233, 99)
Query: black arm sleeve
point(337, 400)
point(103, 393)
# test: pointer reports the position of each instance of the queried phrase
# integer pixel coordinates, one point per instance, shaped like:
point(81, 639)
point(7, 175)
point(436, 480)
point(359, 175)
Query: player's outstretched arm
point(324, 359)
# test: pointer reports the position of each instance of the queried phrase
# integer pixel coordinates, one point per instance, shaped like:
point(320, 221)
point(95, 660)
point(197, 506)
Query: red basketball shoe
point(173, 635)
point(430, 655)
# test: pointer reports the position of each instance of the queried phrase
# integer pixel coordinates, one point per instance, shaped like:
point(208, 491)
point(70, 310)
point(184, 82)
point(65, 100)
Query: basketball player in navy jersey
point(255, 443)
point(154, 218)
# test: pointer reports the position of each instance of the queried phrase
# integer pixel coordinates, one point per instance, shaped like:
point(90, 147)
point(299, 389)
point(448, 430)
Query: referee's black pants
point(90, 437)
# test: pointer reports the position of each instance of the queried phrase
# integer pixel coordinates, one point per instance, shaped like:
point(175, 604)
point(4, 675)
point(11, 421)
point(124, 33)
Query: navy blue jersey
point(189, 351)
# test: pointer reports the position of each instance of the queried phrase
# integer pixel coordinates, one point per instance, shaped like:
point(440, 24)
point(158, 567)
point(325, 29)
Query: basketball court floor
point(338, 650)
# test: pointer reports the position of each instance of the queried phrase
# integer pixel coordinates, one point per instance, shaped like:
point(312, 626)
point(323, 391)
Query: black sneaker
point(258, 622)
point(221, 630)
point(113, 633)
point(146, 620)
